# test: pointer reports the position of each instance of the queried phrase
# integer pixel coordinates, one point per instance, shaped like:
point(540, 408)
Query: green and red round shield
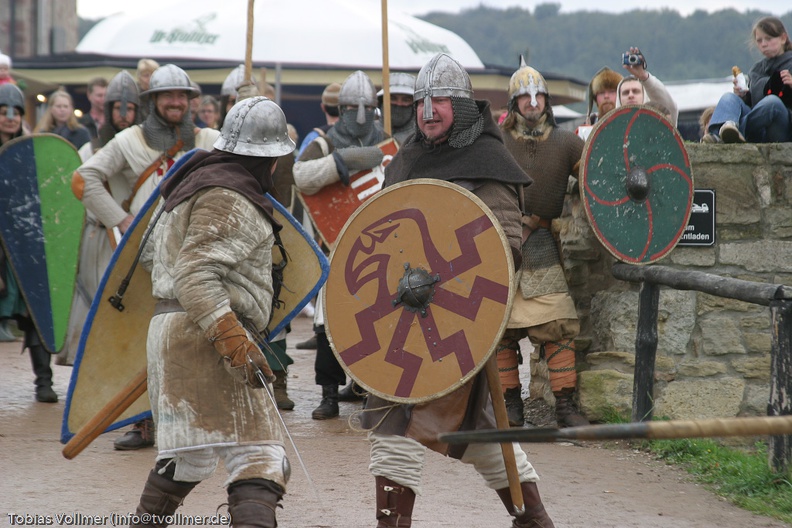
point(636, 184)
point(419, 291)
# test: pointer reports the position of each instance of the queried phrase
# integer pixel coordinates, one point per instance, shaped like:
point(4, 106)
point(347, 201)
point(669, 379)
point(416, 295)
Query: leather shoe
point(46, 395)
point(730, 133)
point(140, 436)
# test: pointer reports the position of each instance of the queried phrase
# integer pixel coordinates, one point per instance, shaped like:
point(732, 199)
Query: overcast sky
point(102, 8)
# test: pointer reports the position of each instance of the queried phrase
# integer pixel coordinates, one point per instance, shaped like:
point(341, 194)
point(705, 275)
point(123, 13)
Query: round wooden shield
point(636, 184)
point(419, 291)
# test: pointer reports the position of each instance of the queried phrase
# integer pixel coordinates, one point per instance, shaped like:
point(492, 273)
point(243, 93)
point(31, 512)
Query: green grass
point(741, 476)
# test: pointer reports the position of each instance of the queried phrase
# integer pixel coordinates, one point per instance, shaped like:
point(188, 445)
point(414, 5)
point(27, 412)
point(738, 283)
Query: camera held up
point(632, 59)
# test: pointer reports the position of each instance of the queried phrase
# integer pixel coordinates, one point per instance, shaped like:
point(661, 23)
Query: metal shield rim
point(510, 265)
point(584, 163)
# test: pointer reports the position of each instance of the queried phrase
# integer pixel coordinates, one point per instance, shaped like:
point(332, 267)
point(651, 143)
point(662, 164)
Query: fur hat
point(5, 60)
point(605, 79)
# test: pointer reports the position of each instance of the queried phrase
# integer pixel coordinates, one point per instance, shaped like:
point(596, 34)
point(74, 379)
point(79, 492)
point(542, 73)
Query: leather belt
point(531, 223)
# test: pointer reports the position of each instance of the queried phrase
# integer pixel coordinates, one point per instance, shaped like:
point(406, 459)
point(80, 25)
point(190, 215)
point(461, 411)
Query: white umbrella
point(342, 33)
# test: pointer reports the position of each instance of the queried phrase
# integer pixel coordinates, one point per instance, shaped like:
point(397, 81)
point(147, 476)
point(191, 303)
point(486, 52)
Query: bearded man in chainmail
point(115, 182)
point(456, 141)
point(348, 147)
point(542, 309)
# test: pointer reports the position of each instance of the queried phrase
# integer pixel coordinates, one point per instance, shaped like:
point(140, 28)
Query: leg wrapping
point(561, 364)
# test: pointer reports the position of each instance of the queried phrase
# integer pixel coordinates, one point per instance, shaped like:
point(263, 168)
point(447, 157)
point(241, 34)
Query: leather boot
point(252, 503)
point(352, 393)
point(329, 406)
point(161, 496)
point(394, 504)
point(279, 391)
point(141, 435)
point(41, 360)
point(515, 408)
point(567, 412)
point(534, 515)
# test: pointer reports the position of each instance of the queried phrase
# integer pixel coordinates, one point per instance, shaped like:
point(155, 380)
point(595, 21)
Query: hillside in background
point(577, 45)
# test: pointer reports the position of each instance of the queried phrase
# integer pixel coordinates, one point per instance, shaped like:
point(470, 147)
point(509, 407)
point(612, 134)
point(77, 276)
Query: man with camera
point(640, 86)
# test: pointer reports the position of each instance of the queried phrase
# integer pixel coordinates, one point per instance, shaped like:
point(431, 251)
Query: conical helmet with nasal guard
point(442, 76)
point(526, 80)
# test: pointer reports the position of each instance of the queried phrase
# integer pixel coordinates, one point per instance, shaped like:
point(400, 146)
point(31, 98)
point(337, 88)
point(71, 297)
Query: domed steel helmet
point(255, 127)
point(11, 97)
point(400, 83)
point(233, 80)
point(526, 80)
point(122, 87)
point(442, 76)
point(358, 90)
point(171, 77)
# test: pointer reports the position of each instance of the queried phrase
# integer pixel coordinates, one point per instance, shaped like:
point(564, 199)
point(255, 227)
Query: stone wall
point(713, 357)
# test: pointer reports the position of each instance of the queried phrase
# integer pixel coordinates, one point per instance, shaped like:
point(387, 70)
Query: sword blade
point(268, 390)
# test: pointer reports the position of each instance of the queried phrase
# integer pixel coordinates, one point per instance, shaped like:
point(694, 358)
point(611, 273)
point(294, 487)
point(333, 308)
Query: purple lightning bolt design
point(373, 266)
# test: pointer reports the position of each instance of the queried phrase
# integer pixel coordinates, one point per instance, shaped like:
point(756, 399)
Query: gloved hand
point(359, 158)
point(246, 90)
point(231, 341)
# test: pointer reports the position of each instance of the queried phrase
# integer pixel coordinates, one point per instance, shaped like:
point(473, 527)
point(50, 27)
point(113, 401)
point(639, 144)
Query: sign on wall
point(700, 230)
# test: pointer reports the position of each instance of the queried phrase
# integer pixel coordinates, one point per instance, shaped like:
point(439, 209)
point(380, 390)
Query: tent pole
point(386, 110)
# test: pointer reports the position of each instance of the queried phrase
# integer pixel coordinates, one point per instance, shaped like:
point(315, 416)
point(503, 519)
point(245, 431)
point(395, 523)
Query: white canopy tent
point(341, 33)
point(698, 95)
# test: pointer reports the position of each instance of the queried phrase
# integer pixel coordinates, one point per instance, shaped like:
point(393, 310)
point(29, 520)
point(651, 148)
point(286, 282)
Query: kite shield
point(419, 291)
point(636, 184)
point(334, 204)
point(40, 226)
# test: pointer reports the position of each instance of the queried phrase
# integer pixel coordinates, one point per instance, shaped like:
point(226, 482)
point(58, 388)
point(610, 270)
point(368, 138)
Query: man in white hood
point(640, 87)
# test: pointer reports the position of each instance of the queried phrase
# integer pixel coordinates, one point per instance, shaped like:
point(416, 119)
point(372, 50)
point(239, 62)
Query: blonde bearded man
point(543, 309)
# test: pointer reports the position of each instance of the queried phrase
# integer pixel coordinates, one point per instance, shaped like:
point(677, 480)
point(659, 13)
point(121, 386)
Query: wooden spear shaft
point(106, 415)
point(661, 430)
point(249, 43)
point(502, 421)
point(386, 110)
